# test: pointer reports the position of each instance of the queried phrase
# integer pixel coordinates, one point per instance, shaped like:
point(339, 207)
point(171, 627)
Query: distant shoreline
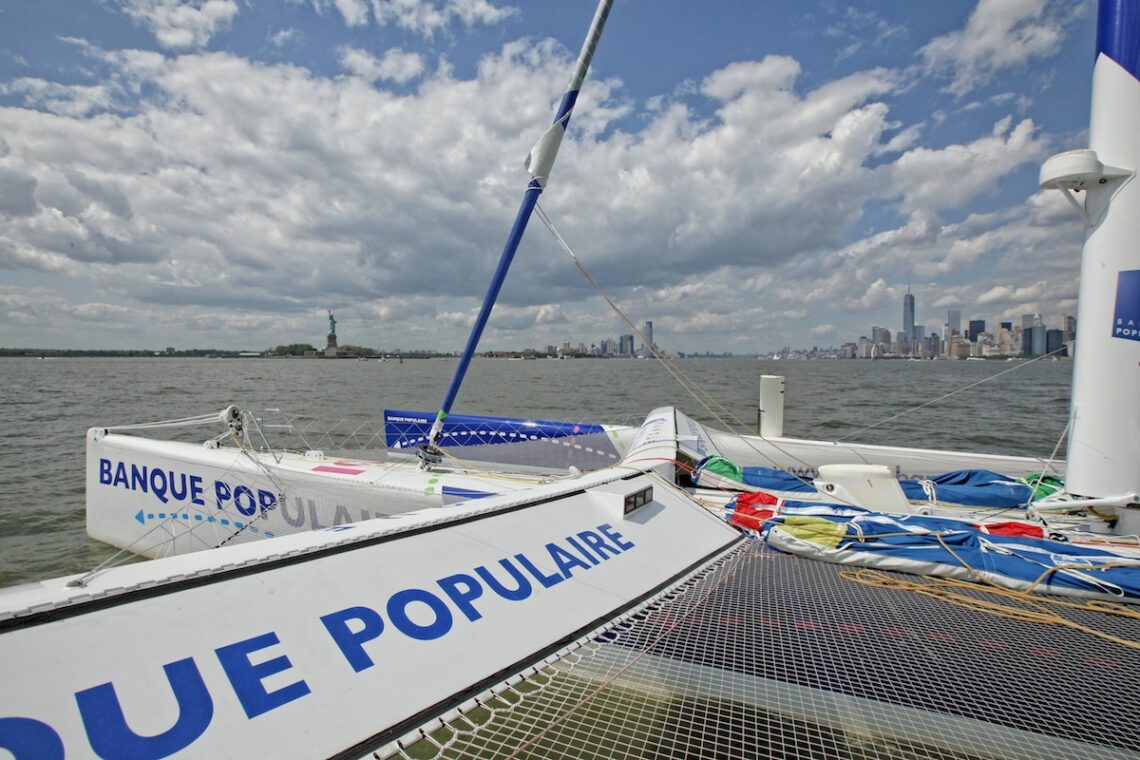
point(58, 353)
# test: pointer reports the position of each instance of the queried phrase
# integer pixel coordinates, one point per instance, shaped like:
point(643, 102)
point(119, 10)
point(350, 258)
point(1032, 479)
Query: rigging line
point(705, 399)
point(1060, 439)
point(1029, 508)
point(262, 513)
point(126, 555)
point(675, 371)
point(201, 419)
point(948, 395)
point(1048, 464)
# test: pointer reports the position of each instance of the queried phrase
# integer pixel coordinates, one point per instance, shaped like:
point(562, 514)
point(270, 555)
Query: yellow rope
point(947, 590)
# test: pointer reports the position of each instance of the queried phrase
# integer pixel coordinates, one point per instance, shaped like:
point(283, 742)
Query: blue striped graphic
point(1118, 33)
point(404, 429)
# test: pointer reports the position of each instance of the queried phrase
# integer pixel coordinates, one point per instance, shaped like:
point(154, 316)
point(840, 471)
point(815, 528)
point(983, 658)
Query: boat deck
point(765, 654)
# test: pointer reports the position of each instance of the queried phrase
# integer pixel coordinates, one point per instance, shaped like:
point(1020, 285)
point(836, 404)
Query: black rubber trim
point(93, 605)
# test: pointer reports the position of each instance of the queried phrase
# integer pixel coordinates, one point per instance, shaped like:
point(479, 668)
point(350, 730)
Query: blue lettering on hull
point(422, 614)
point(186, 491)
point(1126, 317)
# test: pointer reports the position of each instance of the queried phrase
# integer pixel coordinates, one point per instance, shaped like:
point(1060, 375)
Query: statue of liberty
point(331, 349)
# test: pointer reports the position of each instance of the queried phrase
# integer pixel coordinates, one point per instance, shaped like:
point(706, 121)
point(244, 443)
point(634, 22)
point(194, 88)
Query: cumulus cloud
point(395, 65)
point(284, 37)
point(952, 176)
point(1000, 34)
point(858, 29)
point(425, 17)
point(877, 295)
point(730, 210)
point(17, 193)
point(1008, 293)
point(66, 100)
point(178, 24)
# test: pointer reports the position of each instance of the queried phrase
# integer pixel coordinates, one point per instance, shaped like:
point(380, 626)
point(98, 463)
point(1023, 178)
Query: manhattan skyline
point(746, 176)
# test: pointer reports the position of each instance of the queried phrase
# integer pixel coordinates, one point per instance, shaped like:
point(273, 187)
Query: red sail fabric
point(750, 512)
point(1012, 528)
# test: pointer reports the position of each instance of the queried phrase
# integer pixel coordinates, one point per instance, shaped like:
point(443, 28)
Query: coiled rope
point(1037, 609)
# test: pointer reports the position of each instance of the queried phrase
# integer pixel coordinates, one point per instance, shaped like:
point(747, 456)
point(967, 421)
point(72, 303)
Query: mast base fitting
point(429, 456)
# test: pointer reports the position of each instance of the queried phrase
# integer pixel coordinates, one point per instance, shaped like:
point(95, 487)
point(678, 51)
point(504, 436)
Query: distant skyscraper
point(919, 333)
point(1037, 345)
point(1055, 341)
point(1068, 327)
point(908, 316)
point(647, 335)
point(977, 327)
point(954, 322)
point(1008, 326)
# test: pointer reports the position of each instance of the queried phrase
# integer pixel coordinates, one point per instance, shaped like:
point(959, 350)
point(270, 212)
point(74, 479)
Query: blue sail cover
point(776, 480)
point(719, 472)
point(975, 488)
point(402, 429)
point(947, 547)
point(544, 444)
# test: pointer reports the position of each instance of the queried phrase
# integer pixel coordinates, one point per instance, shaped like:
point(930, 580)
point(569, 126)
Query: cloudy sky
point(746, 174)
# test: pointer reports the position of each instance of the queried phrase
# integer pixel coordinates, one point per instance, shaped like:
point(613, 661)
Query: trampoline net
point(764, 654)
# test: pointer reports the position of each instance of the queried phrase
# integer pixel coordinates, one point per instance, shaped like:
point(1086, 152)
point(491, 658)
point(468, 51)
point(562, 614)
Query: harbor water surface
point(48, 404)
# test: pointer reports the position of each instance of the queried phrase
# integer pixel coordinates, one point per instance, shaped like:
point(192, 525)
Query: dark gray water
point(48, 404)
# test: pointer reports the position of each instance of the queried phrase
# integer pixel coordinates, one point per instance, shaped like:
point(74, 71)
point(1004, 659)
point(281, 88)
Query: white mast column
point(1104, 442)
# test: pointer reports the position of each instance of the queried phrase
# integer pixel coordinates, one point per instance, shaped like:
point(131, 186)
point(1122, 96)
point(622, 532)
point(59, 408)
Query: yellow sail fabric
point(815, 529)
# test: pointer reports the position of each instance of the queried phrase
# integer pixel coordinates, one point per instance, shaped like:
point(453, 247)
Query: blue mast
point(538, 163)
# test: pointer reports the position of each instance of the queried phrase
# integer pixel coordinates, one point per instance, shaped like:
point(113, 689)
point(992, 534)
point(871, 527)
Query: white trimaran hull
point(162, 498)
point(337, 641)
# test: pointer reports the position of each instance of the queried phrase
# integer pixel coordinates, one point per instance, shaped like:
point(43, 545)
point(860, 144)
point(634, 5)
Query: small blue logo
point(1126, 318)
